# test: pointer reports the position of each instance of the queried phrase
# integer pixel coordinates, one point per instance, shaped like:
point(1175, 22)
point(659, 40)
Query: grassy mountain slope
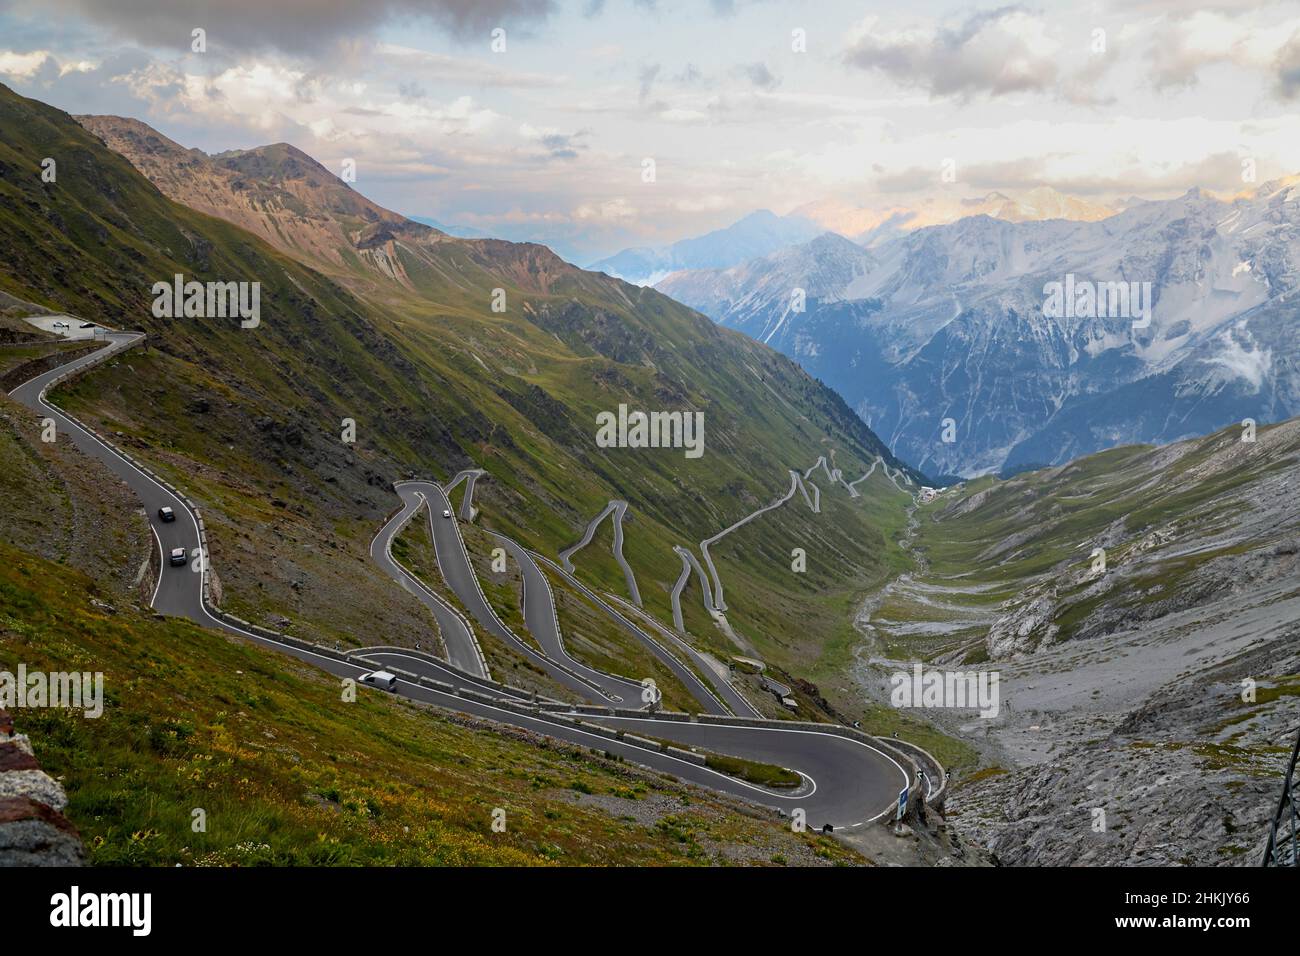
point(1178, 525)
point(249, 420)
point(287, 772)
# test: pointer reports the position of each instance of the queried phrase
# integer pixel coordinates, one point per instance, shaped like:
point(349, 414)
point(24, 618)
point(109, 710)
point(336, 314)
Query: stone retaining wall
point(33, 829)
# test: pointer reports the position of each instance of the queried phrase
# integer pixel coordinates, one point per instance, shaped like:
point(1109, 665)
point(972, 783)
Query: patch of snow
point(1252, 366)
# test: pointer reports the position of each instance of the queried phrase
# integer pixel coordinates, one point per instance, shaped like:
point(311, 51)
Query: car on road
point(381, 679)
point(446, 513)
point(166, 514)
point(177, 557)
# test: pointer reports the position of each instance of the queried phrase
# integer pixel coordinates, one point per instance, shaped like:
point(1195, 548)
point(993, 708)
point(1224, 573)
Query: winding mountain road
point(697, 689)
point(852, 486)
point(849, 781)
point(727, 691)
point(713, 598)
point(544, 624)
point(458, 572)
point(618, 508)
point(796, 484)
point(470, 476)
point(463, 650)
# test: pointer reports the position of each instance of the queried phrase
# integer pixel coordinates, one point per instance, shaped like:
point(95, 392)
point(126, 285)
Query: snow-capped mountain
point(758, 234)
point(872, 225)
point(995, 325)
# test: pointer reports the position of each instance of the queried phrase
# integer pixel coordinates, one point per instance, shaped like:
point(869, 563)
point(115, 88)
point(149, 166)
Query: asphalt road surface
point(707, 699)
point(463, 651)
point(457, 571)
point(544, 624)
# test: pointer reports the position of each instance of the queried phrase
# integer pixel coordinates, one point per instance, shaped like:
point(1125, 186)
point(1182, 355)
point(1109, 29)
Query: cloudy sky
point(547, 138)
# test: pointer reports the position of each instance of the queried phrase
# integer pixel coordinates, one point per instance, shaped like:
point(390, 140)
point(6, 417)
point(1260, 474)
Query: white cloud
point(22, 65)
point(81, 66)
point(421, 65)
point(993, 52)
point(613, 209)
point(680, 115)
point(1119, 155)
point(1183, 46)
point(706, 203)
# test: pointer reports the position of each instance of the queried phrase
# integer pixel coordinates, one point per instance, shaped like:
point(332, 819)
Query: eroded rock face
point(1190, 776)
point(33, 829)
point(1023, 628)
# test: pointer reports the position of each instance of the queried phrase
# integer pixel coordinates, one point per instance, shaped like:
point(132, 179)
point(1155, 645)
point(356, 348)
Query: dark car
point(166, 514)
point(177, 557)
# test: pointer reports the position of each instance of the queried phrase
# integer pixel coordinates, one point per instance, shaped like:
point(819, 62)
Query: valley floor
point(1125, 736)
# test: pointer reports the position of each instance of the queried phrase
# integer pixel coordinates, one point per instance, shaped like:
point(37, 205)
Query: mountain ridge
point(951, 322)
point(757, 233)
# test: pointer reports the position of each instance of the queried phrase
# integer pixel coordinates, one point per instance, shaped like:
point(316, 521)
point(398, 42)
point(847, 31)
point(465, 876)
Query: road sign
point(902, 804)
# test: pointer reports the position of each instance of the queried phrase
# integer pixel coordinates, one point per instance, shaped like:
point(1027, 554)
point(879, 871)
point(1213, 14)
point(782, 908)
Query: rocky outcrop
point(29, 370)
point(1023, 628)
point(33, 829)
point(1188, 777)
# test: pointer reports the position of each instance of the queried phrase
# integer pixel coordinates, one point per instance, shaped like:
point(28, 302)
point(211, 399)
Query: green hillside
point(249, 420)
point(1007, 566)
point(287, 773)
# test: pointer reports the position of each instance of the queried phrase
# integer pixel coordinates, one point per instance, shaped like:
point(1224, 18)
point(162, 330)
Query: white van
point(381, 679)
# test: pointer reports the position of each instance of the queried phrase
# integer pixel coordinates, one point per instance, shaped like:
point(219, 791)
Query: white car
point(381, 679)
point(446, 513)
point(177, 557)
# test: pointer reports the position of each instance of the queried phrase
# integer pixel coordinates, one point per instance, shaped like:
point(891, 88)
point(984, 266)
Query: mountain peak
point(276, 191)
point(140, 137)
point(280, 160)
point(952, 316)
point(872, 225)
point(1275, 186)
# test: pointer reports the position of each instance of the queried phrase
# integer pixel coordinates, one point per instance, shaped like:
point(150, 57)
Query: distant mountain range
point(763, 232)
point(453, 229)
point(873, 225)
point(950, 322)
point(757, 234)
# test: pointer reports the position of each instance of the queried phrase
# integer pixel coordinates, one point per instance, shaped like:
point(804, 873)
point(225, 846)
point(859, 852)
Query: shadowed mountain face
point(370, 317)
point(954, 323)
